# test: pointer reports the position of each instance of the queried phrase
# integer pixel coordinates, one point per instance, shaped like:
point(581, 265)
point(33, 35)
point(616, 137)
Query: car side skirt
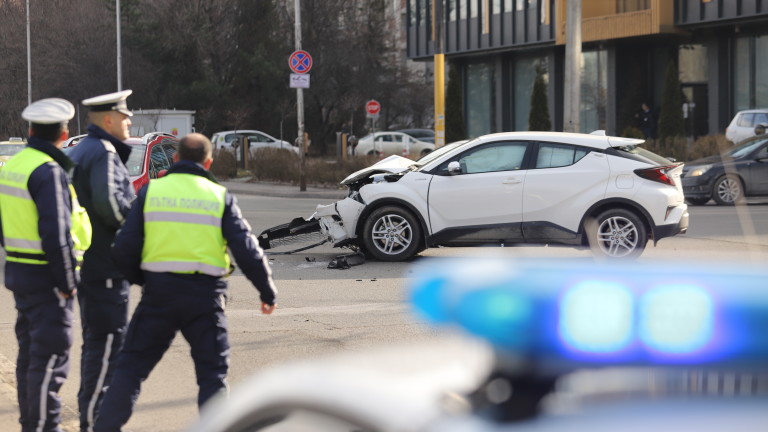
point(536, 232)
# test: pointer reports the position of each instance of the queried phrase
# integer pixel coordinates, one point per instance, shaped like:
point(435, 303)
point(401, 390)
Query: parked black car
point(729, 177)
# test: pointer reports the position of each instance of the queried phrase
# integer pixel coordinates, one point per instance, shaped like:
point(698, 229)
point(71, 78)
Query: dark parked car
point(729, 177)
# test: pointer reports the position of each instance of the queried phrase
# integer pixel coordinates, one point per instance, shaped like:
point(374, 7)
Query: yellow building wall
point(601, 22)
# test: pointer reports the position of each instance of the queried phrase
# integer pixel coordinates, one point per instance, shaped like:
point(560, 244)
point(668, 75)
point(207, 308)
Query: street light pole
point(119, 52)
point(29, 62)
point(300, 102)
point(439, 72)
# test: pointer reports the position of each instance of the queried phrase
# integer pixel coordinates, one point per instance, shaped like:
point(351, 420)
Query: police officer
point(104, 187)
point(40, 216)
point(175, 242)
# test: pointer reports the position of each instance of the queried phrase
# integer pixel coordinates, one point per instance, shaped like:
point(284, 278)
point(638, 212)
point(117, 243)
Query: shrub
point(671, 123)
point(224, 165)
point(454, 115)
point(538, 118)
point(282, 166)
point(684, 150)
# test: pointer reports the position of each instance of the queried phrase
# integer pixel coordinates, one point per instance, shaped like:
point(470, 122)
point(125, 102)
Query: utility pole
point(300, 102)
point(571, 122)
point(29, 61)
point(119, 52)
point(439, 72)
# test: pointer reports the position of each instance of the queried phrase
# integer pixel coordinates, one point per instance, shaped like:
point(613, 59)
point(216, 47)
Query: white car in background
point(746, 124)
point(256, 140)
point(392, 143)
point(583, 190)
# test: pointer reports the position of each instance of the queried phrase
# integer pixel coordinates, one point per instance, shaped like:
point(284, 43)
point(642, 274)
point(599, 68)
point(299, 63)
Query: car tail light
point(658, 174)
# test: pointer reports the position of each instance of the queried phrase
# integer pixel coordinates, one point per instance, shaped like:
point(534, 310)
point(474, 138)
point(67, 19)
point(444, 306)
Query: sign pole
point(300, 104)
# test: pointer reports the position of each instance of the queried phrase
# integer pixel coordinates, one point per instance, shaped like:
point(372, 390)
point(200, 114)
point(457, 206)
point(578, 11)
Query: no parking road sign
point(300, 62)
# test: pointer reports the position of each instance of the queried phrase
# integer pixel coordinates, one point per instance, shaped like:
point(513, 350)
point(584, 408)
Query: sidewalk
point(244, 187)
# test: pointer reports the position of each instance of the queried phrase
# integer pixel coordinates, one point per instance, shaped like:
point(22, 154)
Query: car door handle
point(511, 181)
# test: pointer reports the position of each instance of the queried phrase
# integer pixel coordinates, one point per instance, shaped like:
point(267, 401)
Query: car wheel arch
point(370, 208)
point(613, 203)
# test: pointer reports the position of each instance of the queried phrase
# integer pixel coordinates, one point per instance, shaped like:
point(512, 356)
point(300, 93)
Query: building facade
point(719, 47)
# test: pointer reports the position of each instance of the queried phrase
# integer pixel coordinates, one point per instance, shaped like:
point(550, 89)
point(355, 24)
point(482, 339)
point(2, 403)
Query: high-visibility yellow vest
point(182, 226)
point(20, 217)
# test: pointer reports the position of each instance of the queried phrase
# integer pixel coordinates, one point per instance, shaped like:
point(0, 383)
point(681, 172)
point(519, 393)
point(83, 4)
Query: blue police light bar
point(558, 315)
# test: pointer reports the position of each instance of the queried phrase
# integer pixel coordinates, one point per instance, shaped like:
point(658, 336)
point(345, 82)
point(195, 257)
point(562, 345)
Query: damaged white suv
point(584, 190)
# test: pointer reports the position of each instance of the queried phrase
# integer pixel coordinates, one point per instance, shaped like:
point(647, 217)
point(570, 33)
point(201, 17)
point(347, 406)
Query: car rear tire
point(698, 201)
point(373, 153)
point(392, 233)
point(728, 190)
point(617, 233)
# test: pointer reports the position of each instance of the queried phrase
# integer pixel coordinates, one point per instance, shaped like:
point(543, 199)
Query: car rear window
point(746, 119)
point(635, 152)
point(10, 149)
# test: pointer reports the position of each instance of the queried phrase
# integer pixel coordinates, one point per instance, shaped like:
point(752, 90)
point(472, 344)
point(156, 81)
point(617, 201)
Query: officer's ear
point(207, 163)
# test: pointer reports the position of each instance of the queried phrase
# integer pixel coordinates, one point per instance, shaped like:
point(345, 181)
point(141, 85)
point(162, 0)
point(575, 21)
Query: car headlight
point(699, 171)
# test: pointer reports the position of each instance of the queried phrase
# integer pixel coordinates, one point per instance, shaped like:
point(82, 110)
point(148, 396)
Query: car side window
point(157, 161)
point(383, 137)
point(558, 155)
point(746, 119)
point(499, 156)
point(761, 118)
point(170, 150)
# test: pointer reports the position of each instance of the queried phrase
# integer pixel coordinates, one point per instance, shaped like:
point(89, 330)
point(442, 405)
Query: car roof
point(596, 139)
point(753, 110)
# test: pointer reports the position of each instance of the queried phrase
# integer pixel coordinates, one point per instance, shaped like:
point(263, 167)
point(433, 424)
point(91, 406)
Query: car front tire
point(728, 190)
point(392, 233)
point(617, 233)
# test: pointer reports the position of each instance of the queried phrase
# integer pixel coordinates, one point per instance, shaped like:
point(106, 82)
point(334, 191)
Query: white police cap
point(110, 102)
point(49, 111)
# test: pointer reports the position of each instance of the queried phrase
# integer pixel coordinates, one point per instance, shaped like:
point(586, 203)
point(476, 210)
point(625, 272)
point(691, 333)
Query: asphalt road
point(323, 311)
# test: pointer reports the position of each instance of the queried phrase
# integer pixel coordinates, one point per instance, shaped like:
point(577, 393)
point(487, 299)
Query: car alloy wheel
point(728, 191)
point(392, 234)
point(617, 233)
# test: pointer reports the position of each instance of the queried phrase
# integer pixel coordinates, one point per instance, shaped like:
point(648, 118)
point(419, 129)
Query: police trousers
point(104, 318)
point(152, 329)
point(44, 333)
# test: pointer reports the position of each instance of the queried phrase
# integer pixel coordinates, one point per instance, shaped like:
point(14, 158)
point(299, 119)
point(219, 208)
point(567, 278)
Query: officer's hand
point(64, 295)
point(267, 309)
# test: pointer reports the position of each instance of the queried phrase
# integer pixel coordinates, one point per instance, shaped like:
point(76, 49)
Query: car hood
point(391, 165)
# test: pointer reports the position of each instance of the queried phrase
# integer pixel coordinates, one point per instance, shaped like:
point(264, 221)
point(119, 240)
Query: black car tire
point(698, 201)
point(392, 233)
point(617, 233)
point(728, 190)
point(373, 153)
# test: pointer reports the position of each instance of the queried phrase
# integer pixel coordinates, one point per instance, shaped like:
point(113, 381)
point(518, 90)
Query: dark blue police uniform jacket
point(104, 188)
point(241, 243)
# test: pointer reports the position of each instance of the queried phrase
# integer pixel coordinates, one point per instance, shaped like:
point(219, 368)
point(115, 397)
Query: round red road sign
point(300, 62)
point(372, 107)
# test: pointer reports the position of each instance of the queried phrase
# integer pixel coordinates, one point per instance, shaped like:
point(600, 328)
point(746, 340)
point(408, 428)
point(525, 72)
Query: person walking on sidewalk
point(175, 242)
point(104, 186)
point(42, 227)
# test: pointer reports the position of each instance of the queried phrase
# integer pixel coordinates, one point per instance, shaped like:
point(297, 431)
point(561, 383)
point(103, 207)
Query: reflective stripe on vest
point(182, 226)
point(19, 212)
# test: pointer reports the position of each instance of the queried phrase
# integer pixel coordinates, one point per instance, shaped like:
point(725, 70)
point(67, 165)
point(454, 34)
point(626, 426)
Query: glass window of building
point(479, 99)
point(594, 90)
point(623, 6)
point(451, 6)
point(412, 12)
point(693, 64)
point(761, 66)
point(524, 77)
point(750, 84)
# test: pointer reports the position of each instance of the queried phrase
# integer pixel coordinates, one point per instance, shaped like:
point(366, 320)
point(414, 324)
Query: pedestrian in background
point(647, 120)
point(175, 242)
point(42, 227)
point(104, 186)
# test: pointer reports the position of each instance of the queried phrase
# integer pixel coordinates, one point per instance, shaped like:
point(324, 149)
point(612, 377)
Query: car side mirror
point(760, 129)
point(454, 168)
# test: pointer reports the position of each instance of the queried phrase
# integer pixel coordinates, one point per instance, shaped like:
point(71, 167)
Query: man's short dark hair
point(48, 132)
point(195, 147)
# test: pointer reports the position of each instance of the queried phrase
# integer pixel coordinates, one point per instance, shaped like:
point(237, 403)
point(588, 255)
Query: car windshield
point(746, 148)
point(135, 162)
point(429, 157)
point(10, 149)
